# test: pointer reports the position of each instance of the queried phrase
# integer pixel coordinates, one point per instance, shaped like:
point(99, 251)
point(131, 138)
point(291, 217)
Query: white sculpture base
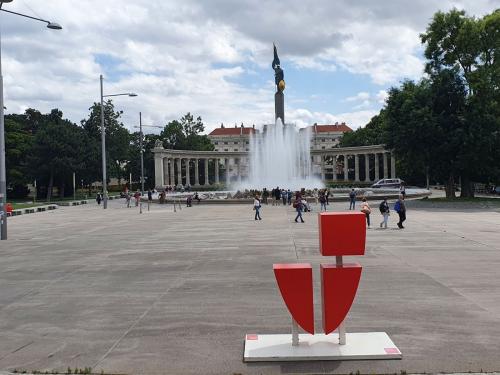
point(319, 347)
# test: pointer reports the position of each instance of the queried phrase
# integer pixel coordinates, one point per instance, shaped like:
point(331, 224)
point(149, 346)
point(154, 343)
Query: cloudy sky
point(213, 58)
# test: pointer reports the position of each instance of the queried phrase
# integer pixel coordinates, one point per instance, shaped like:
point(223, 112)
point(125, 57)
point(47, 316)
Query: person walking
point(298, 207)
point(256, 207)
point(150, 196)
point(289, 196)
point(400, 208)
point(277, 195)
point(265, 195)
point(352, 198)
point(327, 197)
point(127, 198)
point(384, 210)
point(284, 196)
point(137, 197)
point(98, 198)
point(322, 202)
point(365, 208)
point(402, 190)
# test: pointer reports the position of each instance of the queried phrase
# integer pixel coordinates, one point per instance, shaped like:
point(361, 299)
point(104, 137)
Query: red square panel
point(342, 233)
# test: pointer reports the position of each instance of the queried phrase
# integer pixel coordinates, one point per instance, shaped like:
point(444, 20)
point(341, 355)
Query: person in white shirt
point(256, 207)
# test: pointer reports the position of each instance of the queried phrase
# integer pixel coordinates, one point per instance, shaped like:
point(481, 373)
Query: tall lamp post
point(103, 142)
point(3, 174)
point(141, 147)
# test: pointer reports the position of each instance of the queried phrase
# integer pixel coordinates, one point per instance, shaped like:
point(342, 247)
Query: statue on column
point(279, 98)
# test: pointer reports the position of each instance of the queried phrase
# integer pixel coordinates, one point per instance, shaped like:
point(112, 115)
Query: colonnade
point(346, 166)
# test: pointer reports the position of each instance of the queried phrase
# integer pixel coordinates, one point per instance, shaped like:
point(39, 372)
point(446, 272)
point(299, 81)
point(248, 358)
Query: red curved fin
point(296, 287)
point(338, 288)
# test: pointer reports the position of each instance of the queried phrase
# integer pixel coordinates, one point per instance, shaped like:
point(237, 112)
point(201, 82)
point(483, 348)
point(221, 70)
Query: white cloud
point(193, 55)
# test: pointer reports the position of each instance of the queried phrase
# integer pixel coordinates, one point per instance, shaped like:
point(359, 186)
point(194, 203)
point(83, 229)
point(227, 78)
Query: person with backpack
point(352, 197)
point(256, 207)
point(400, 208)
point(384, 211)
point(322, 201)
point(298, 207)
point(365, 208)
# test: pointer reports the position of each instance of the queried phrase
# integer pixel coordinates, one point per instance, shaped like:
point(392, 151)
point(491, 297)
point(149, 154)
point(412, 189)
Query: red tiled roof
point(232, 131)
point(331, 128)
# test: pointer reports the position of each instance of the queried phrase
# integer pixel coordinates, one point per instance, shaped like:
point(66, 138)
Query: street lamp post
point(141, 147)
point(3, 173)
point(103, 142)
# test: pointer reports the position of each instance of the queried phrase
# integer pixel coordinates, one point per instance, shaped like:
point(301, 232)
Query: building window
point(246, 143)
point(225, 143)
point(226, 149)
point(247, 149)
point(323, 147)
point(216, 143)
point(323, 140)
point(235, 143)
point(235, 149)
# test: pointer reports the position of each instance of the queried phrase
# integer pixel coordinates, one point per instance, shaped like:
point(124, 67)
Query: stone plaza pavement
point(175, 293)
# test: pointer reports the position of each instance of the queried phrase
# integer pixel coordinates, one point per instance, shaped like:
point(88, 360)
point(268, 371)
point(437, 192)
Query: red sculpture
point(340, 233)
point(338, 288)
point(295, 283)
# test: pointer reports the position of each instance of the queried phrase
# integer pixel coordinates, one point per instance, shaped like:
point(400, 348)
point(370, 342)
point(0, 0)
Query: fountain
point(280, 156)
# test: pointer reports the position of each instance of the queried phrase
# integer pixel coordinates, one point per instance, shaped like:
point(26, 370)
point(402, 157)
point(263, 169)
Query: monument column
point(393, 165)
point(206, 173)
point(159, 175)
point(367, 167)
point(179, 171)
point(196, 172)
point(377, 167)
point(386, 172)
point(334, 167)
point(172, 175)
point(356, 167)
point(226, 164)
point(346, 167)
point(188, 179)
point(239, 170)
point(166, 176)
point(216, 160)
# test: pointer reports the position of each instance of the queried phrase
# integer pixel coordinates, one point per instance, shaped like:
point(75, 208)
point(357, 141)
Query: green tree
point(117, 140)
point(18, 143)
point(471, 47)
point(184, 134)
point(58, 151)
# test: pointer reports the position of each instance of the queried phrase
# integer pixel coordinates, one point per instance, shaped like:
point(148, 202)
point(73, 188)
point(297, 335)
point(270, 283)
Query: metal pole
point(342, 336)
point(103, 150)
point(3, 178)
point(74, 187)
point(142, 154)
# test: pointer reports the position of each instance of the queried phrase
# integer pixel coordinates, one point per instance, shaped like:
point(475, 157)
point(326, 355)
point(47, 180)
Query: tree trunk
point(49, 187)
point(466, 187)
point(61, 190)
point(450, 187)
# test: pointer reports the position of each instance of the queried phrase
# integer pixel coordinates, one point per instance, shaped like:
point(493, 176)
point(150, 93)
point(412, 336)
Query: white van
point(388, 183)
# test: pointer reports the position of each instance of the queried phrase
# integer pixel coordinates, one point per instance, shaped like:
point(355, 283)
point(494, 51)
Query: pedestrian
point(365, 208)
point(197, 197)
point(284, 196)
point(402, 189)
point(137, 197)
point(150, 196)
point(127, 198)
point(298, 207)
point(265, 195)
point(289, 196)
point(189, 201)
point(322, 202)
point(277, 195)
point(98, 198)
point(352, 198)
point(327, 196)
point(256, 207)
point(400, 208)
point(384, 210)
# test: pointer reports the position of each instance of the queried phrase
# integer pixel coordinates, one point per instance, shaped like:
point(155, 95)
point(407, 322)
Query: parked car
point(388, 183)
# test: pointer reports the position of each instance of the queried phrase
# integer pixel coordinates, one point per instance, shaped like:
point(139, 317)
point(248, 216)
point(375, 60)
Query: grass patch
point(19, 205)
